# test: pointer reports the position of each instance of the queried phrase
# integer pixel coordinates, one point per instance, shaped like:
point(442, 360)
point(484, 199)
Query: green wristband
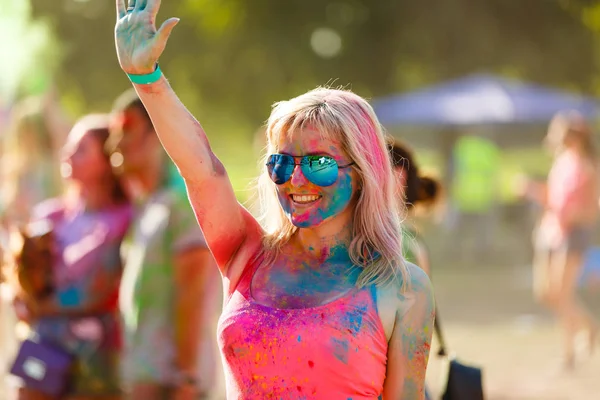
point(146, 79)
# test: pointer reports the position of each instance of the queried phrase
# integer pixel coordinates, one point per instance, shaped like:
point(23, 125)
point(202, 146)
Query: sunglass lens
point(320, 170)
point(280, 167)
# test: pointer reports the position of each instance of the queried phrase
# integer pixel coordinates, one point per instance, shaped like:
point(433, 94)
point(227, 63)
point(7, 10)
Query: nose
point(298, 178)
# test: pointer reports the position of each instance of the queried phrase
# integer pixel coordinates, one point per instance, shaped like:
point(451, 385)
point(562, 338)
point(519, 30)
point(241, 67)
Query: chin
point(306, 220)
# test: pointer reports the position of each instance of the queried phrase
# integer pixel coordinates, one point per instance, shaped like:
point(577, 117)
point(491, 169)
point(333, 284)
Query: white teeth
point(304, 198)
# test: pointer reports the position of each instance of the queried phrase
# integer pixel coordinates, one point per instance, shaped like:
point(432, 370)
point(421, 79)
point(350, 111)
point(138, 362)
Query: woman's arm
point(225, 223)
point(408, 348)
point(531, 190)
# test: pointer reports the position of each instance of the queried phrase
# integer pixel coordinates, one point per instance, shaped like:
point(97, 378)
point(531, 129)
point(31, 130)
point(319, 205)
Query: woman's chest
point(298, 285)
point(345, 328)
point(81, 244)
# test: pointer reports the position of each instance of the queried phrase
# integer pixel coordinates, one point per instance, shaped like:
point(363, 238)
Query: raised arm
point(227, 226)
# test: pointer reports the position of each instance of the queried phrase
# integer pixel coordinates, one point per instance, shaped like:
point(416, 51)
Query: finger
point(163, 33)
point(140, 4)
point(121, 10)
point(153, 6)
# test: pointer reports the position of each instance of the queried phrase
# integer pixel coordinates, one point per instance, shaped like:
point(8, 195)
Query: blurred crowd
point(103, 261)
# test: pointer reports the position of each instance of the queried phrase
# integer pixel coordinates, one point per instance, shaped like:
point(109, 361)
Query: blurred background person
point(80, 314)
point(170, 291)
point(35, 129)
point(417, 192)
point(569, 200)
point(474, 197)
point(30, 161)
point(8, 338)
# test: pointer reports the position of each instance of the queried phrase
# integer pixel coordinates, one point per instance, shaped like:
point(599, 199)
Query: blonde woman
point(319, 302)
point(570, 203)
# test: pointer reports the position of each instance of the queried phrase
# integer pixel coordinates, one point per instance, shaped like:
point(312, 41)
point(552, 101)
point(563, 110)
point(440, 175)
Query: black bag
point(464, 382)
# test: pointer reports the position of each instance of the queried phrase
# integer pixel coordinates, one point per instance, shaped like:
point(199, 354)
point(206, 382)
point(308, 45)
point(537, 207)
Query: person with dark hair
point(78, 309)
point(416, 191)
point(170, 288)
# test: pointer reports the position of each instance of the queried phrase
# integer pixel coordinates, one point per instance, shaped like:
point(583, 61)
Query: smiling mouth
point(304, 198)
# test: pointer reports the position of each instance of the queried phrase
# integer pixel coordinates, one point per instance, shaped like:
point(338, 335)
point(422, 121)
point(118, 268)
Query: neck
point(94, 196)
point(575, 150)
point(145, 181)
point(323, 241)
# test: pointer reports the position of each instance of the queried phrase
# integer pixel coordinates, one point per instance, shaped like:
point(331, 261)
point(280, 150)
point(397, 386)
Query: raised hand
point(139, 44)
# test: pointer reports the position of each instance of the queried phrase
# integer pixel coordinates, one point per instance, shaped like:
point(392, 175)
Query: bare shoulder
point(418, 279)
point(404, 302)
point(402, 296)
point(417, 294)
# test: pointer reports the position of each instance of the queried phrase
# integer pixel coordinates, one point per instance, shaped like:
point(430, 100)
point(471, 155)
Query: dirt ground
point(491, 321)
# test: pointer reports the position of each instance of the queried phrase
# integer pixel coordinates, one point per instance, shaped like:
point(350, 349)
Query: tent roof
point(480, 99)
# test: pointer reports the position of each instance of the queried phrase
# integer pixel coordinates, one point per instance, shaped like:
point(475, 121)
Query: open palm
point(139, 44)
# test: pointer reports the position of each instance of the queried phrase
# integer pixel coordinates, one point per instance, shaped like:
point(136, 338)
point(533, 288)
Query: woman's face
point(307, 204)
point(84, 158)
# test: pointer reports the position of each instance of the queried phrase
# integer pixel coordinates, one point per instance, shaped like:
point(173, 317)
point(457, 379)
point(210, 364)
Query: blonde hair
point(376, 244)
point(572, 124)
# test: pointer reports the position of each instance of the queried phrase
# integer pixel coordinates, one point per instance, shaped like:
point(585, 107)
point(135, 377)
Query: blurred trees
point(231, 59)
point(28, 53)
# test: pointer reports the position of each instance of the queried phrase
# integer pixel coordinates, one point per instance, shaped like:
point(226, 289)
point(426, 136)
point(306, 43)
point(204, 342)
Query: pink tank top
point(334, 351)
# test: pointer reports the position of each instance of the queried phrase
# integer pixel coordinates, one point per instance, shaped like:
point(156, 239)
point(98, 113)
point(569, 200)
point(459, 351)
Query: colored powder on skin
point(329, 205)
point(324, 276)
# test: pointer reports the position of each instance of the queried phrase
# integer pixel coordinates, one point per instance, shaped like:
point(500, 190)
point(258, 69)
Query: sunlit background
point(230, 60)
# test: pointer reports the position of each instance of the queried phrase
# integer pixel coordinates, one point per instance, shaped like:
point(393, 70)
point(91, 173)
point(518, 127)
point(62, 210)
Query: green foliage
point(229, 60)
point(241, 56)
point(28, 53)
